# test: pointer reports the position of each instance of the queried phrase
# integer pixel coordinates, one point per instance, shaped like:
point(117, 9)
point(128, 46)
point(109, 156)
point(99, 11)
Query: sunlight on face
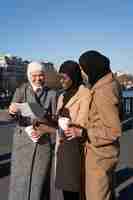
point(65, 81)
point(38, 78)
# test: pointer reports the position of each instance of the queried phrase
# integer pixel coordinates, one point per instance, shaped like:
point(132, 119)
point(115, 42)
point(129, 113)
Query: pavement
point(4, 188)
point(124, 172)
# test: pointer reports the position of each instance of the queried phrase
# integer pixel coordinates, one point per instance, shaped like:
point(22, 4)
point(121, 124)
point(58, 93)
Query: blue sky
point(57, 30)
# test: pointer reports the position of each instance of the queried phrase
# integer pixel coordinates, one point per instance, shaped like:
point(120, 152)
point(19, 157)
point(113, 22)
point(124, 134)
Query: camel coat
point(68, 154)
point(102, 148)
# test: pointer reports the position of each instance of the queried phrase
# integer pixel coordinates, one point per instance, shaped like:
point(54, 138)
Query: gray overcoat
point(31, 162)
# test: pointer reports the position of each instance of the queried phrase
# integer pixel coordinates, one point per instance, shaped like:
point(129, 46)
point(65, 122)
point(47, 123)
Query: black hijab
point(72, 69)
point(95, 65)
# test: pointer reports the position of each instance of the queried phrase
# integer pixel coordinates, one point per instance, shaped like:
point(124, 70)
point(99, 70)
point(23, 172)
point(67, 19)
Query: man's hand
point(13, 109)
point(35, 135)
point(42, 129)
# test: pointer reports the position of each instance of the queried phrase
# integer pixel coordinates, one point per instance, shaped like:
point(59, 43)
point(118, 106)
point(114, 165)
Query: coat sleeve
point(19, 95)
point(108, 118)
point(83, 113)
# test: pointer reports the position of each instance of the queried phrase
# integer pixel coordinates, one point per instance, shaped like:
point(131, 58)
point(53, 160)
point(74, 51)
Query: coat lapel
point(81, 92)
point(70, 102)
point(76, 97)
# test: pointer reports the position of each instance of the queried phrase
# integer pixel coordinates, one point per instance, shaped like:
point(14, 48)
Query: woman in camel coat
point(74, 100)
point(104, 129)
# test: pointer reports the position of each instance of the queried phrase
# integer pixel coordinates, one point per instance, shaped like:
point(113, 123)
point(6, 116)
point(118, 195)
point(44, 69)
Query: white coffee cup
point(29, 130)
point(64, 123)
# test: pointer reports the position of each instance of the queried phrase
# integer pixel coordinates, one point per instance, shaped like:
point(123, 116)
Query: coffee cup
point(29, 130)
point(64, 123)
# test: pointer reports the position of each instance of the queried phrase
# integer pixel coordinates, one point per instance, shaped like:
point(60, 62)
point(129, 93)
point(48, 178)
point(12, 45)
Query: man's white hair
point(35, 67)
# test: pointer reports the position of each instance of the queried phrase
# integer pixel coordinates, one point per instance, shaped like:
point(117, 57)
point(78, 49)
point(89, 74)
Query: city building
point(13, 73)
point(125, 79)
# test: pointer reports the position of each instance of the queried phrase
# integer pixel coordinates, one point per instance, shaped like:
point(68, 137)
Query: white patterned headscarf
point(33, 67)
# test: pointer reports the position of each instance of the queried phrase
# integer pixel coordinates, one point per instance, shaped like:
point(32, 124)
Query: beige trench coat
point(104, 129)
point(78, 106)
point(68, 168)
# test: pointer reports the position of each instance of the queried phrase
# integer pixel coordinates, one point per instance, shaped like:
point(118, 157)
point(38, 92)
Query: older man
point(31, 161)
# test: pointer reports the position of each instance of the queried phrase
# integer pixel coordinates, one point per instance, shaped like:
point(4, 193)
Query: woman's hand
point(36, 123)
point(73, 132)
point(43, 128)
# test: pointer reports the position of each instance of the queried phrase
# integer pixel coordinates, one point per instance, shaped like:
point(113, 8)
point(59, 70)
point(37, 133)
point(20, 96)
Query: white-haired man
point(31, 161)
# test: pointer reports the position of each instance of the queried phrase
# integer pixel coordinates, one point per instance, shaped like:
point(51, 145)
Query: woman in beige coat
point(74, 100)
point(104, 129)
